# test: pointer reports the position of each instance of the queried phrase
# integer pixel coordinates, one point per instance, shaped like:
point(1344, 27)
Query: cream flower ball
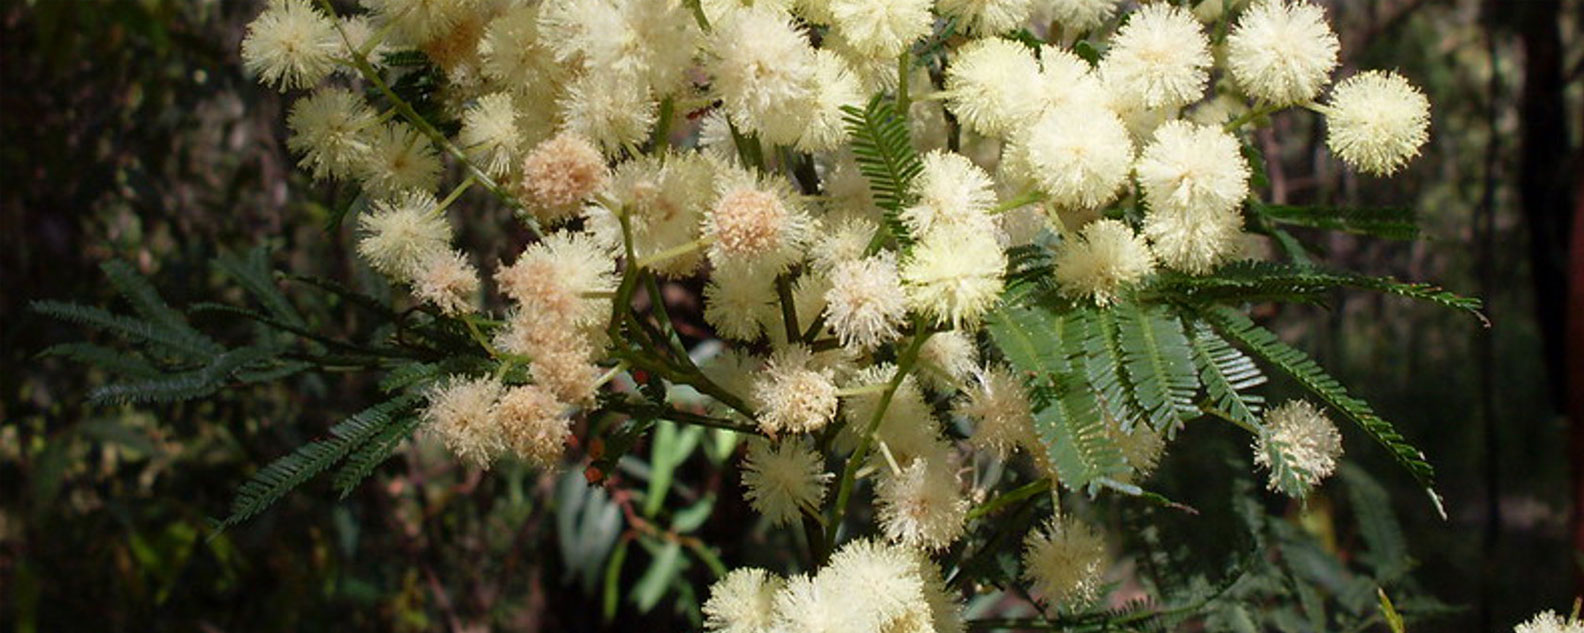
point(291, 45)
point(1159, 59)
point(865, 302)
point(987, 16)
point(742, 601)
point(1299, 444)
point(1193, 169)
point(783, 479)
point(881, 27)
point(1077, 15)
point(399, 233)
point(461, 413)
point(993, 85)
point(332, 130)
point(1079, 156)
point(793, 397)
point(1001, 412)
point(764, 71)
point(951, 193)
point(563, 277)
point(1106, 257)
point(922, 506)
point(954, 277)
point(1282, 52)
point(1064, 562)
point(1376, 121)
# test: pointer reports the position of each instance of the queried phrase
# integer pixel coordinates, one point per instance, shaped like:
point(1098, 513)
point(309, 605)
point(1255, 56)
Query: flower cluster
point(648, 141)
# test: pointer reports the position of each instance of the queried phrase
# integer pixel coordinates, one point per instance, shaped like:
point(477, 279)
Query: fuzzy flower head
point(400, 158)
point(987, 16)
point(922, 506)
point(742, 601)
point(401, 233)
point(835, 86)
point(490, 135)
point(1066, 80)
point(1550, 622)
point(461, 414)
point(954, 278)
point(792, 397)
point(612, 110)
point(764, 72)
point(907, 427)
point(664, 198)
point(421, 21)
point(947, 359)
point(1106, 258)
point(951, 193)
point(999, 407)
point(865, 303)
point(1064, 562)
point(844, 241)
point(756, 222)
point(876, 586)
point(654, 41)
point(291, 45)
point(1077, 15)
point(738, 302)
point(1300, 446)
point(564, 278)
point(446, 280)
point(1079, 157)
point(1159, 59)
point(993, 85)
point(1282, 52)
point(515, 54)
point(784, 479)
point(532, 425)
point(331, 130)
point(1194, 243)
point(876, 28)
point(559, 174)
point(1376, 121)
point(1197, 170)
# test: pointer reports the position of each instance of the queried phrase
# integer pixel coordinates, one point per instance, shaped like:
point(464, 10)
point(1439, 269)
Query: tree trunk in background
point(1545, 178)
point(1575, 381)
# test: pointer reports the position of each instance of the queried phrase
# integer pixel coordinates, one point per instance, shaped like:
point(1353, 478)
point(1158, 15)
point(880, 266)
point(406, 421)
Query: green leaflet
point(272, 482)
point(254, 273)
point(185, 385)
point(1261, 342)
point(883, 147)
point(184, 343)
point(1390, 223)
point(1255, 281)
point(1225, 373)
point(1159, 365)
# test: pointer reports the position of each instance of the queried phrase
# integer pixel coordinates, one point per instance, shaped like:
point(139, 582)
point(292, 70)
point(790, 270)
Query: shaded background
point(129, 132)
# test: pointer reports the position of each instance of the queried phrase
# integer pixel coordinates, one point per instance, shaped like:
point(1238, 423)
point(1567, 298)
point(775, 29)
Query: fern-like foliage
point(1257, 281)
point(1159, 364)
point(272, 482)
point(884, 150)
point(1226, 374)
point(1297, 365)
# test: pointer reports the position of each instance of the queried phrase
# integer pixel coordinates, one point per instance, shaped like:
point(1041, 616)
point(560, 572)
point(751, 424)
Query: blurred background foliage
point(129, 132)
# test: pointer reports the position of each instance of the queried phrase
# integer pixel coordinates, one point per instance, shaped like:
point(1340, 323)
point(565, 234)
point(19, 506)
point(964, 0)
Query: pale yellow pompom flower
point(400, 233)
point(764, 72)
point(791, 396)
point(881, 27)
point(922, 506)
point(987, 17)
point(1194, 243)
point(532, 423)
point(742, 601)
point(999, 407)
point(1067, 81)
point(664, 197)
point(566, 277)
point(756, 221)
point(291, 45)
point(865, 302)
point(877, 586)
point(1193, 169)
point(783, 479)
point(1064, 562)
point(612, 110)
point(332, 130)
point(1159, 59)
point(1105, 258)
point(559, 174)
point(515, 55)
point(1282, 52)
point(947, 359)
point(835, 86)
point(1076, 16)
point(1549, 622)
point(994, 86)
point(1299, 444)
point(954, 277)
point(447, 280)
point(1376, 121)
point(845, 241)
point(489, 134)
point(460, 413)
point(739, 301)
point(421, 21)
point(950, 194)
point(1078, 156)
point(400, 158)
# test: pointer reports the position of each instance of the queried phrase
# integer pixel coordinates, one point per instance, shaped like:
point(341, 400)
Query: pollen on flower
point(1376, 121)
point(332, 130)
point(1106, 258)
point(1159, 59)
point(742, 601)
point(1079, 156)
point(1000, 409)
point(566, 277)
point(954, 278)
point(532, 424)
point(559, 174)
point(865, 301)
point(922, 506)
point(1193, 169)
point(951, 193)
point(993, 85)
point(291, 45)
point(1064, 562)
point(793, 397)
point(461, 414)
point(400, 233)
point(1282, 52)
point(783, 479)
point(447, 280)
point(754, 222)
point(1299, 445)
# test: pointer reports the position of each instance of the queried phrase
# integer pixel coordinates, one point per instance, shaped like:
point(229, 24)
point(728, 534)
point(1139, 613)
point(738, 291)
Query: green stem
point(1024, 199)
point(455, 193)
point(1253, 113)
point(1009, 497)
point(850, 473)
point(783, 284)
point(904, 64)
